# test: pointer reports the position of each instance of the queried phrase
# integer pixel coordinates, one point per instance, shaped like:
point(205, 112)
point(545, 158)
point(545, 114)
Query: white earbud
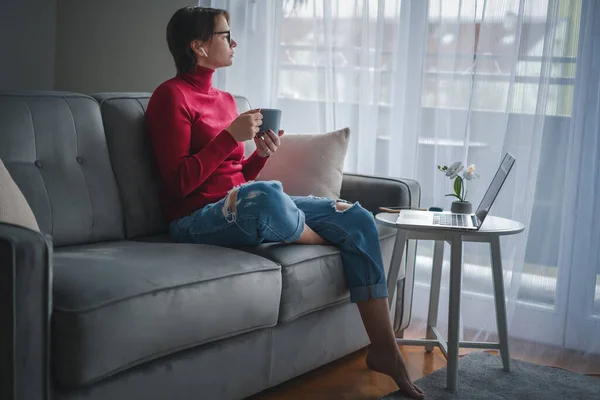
point(203, 51)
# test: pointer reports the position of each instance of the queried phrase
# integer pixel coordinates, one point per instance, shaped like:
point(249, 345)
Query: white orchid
point(454, 169)
point(453, 172)
point(470, 173)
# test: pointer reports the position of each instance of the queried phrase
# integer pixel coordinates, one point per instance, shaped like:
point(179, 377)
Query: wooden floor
point(348, 378)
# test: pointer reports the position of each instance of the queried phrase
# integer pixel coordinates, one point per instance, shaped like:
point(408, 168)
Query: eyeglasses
point(223, 33)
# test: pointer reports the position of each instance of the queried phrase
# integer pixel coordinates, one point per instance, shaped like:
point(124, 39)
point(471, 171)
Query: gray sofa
point(101, 306)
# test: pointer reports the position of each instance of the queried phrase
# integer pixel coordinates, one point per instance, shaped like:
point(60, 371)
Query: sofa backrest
point(54, 147)
point(132, 160)
point(243, 105)
point(131, 157)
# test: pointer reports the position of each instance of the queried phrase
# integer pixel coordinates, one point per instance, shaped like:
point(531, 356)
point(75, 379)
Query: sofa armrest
point(373, 192)
point(25, 308)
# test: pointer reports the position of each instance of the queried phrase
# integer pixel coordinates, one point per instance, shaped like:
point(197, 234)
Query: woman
point(198, 140)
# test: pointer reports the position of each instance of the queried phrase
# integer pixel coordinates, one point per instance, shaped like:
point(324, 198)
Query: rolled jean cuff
point(362, 293)
point(299, 229)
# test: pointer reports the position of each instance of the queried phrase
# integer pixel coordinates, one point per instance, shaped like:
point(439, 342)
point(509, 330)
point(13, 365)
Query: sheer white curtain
point(421, 83)
point(580, 250)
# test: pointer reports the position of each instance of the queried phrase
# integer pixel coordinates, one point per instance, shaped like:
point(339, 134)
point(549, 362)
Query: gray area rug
point(480, 376)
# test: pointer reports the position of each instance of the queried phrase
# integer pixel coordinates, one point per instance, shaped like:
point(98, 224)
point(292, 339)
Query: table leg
point(454, 311)
point(434, 292)
point(396, 263)
point(500, 301)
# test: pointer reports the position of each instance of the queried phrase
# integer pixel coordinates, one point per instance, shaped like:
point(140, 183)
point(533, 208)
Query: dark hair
point(187, 24)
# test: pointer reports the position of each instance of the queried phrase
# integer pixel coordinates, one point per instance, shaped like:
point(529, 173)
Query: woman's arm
point(252, 166)
point(169, 127)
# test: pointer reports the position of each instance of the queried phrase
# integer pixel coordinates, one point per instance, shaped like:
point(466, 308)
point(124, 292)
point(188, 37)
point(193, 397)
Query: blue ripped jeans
point(260, 212)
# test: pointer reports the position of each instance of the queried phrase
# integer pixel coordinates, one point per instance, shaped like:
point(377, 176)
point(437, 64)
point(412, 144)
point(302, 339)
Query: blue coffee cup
point(271, 120)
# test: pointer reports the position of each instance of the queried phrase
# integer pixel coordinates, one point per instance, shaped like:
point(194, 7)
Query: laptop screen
point(494, 188)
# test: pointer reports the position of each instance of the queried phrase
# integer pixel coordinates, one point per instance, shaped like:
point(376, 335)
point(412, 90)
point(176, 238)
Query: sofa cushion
point(123, 303)
point(14, 208)
point(131, 157)
point(312, 276)
point(309, 164)
point(54, 146)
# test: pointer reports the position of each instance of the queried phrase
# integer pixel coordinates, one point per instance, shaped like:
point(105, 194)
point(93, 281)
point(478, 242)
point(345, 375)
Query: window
point(320, 36)
point(454, 34)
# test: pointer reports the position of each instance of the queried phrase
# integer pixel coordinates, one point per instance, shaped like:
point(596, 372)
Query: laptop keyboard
point(450, 219)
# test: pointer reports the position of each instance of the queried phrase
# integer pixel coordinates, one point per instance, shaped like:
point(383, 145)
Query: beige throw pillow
point(309, 164)
point(14, 209)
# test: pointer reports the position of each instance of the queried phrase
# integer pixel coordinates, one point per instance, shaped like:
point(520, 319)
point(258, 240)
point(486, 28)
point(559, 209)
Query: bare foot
point(393, 366)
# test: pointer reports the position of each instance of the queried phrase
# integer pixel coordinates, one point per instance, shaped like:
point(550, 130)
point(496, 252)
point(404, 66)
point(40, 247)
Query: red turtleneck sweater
point(198, 160)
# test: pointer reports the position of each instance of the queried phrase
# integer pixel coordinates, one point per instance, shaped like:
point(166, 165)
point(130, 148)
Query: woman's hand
point(246, 125)
point(267, 143)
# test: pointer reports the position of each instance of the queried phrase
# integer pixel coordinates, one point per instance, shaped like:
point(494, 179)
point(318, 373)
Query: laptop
point(470, 222)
